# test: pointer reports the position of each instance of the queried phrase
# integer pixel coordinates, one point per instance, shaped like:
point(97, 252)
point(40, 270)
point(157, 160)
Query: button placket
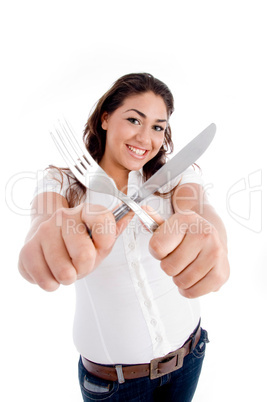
point(142, 288)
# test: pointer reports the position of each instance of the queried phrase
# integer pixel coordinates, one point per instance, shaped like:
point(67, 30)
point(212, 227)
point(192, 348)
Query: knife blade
point(173, 168)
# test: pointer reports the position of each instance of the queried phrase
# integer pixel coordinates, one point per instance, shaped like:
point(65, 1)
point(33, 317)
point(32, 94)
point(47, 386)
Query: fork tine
point(68, 144)
point(82, 147)
point(68, 150)
point(80, 150)
point(70, 161)
point(64, 140)
point(68, 138)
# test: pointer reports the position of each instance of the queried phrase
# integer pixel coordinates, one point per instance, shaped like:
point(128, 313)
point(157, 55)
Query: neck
point(118, 174)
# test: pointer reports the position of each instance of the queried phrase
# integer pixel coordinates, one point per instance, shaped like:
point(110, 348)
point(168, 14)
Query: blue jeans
point(178, 386)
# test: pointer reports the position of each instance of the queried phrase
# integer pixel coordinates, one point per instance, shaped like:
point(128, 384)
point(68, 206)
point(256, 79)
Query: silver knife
point(173, 168)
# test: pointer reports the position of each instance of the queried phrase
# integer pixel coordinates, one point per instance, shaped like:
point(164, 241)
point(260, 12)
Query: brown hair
point(95, 137)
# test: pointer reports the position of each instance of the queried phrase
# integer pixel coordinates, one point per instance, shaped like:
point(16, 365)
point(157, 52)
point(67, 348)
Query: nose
point(143, 135)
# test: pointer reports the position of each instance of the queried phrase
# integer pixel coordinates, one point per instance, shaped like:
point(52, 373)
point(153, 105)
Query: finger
point(23, 271)
point(216, 276)
point(153, 214)
point(36, 269)
point(181, 257)
point(167, 237)
point(102, 225)
point(55, 252)
point(202, 287)
point(193, 273)
point(78, 242)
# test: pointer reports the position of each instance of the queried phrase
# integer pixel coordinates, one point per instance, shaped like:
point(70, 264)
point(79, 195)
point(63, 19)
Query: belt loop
point(193, 337)
point(120, 375)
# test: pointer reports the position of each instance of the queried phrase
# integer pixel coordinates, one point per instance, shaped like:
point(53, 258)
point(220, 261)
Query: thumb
point(123, 222)
point(153, 214)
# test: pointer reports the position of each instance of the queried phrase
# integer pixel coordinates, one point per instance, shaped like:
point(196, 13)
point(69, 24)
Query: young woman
point(137, 322)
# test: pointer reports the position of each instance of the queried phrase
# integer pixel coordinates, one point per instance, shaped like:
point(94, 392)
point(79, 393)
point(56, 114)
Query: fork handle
point(120, 212)
point(150, 224)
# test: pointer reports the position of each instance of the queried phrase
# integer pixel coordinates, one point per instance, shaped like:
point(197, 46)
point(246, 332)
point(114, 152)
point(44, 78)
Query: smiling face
point(134, 133)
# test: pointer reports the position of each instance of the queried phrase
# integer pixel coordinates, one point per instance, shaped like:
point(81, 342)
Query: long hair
point(95, 137)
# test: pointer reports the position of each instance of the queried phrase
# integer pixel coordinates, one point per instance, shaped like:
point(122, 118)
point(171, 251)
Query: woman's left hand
point(191, 251)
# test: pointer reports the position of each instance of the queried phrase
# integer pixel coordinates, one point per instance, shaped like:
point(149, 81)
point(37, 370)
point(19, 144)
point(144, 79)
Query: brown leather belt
point(156, 368)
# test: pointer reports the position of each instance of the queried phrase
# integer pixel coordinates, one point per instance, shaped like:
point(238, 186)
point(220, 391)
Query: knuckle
point(106, 218)
point(83, 257)
point(109, 243)
point(62, 215)
point(44, 228)
point(109, 215)
point(48, 285)
point(188, 293)
point(26, 258)
point(24, 253)
point(167, 267)
point(97, 211)
point(221, 276)
point(66, 276)
point(155, 247)
point(61, 212)
point(180, 282)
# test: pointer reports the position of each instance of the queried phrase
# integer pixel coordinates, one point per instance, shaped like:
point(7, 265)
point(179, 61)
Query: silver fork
point(90, 174)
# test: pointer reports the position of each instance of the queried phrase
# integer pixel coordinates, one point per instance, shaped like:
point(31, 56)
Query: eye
point(133, 120)
point(158, 128)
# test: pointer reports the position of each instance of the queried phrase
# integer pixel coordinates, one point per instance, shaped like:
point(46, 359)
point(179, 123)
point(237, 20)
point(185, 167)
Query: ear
point(104, 120)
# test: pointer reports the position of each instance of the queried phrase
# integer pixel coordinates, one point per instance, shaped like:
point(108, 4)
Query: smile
point(137, 151)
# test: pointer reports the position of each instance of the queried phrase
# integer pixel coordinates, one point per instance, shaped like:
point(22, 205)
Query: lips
point(137, 151)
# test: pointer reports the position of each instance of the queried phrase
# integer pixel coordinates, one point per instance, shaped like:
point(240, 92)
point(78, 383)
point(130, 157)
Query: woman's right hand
point(60, 250)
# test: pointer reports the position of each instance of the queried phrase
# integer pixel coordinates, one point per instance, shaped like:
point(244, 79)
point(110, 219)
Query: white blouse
point(128, 311)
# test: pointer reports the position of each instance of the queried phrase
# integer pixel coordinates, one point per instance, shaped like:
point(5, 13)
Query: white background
point(60, 57)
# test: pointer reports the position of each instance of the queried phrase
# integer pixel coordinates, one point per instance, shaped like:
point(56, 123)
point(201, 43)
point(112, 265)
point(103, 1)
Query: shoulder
point(54, 179)
point(190, 175)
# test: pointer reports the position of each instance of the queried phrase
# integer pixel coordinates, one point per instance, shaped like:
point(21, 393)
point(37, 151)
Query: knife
point(174, 167)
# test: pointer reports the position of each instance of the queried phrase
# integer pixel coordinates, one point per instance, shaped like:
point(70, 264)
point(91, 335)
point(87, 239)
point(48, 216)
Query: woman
point(137, 316)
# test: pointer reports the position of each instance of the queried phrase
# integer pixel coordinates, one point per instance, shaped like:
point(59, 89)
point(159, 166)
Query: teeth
point(137, 151)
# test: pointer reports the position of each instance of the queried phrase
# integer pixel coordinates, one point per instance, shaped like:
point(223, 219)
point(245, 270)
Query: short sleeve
point(190, 175)
point(53, 180)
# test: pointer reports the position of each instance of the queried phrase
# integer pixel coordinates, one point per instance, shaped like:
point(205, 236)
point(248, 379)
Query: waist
point(123, 326)
point(154, 369)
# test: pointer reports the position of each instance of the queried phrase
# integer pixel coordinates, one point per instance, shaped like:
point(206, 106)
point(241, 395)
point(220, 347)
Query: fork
point(90, 174)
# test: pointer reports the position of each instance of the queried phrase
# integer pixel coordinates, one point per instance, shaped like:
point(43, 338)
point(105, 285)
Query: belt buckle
point(154, 370)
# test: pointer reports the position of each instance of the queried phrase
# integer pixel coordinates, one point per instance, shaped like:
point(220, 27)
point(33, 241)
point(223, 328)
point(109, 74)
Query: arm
point(192, 244)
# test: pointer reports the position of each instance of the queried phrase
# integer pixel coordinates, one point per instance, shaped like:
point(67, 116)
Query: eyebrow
point(144, 116)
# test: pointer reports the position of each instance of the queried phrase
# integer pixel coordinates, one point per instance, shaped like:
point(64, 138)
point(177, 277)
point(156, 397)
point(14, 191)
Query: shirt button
point(140, 284)
point(147, 303)
point(153, 322)
point(134, 264)
point(158, 339)
point(131, 246)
